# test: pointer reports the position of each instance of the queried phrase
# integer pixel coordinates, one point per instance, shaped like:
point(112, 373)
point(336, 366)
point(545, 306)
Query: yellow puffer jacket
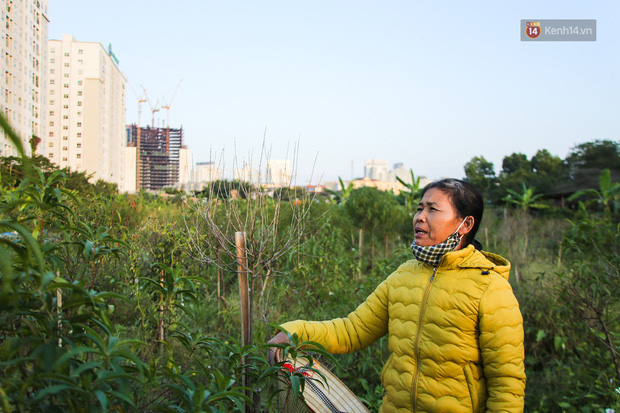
point(456, 338)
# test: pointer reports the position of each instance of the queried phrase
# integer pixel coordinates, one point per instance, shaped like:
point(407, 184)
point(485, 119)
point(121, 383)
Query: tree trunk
point(526, 242)
point(372, 248)
point(517, 275)
point(486, 238)
point(386, 244)
point(361, 248)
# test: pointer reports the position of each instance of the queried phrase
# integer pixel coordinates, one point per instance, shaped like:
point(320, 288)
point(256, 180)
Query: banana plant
point(411, 197)
point(525, 200)
point(608, 195)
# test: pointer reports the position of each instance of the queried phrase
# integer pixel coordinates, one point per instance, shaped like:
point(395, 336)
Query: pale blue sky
point(428, 84)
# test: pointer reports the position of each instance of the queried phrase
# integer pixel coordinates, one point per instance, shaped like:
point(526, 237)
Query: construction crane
point(153, 108)
point(167, 106)
point(141, 99)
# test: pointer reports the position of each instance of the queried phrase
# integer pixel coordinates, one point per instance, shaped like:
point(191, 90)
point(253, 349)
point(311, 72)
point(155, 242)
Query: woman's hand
point(280, 338)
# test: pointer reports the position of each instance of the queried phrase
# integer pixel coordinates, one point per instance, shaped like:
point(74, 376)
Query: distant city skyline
point(430, 85)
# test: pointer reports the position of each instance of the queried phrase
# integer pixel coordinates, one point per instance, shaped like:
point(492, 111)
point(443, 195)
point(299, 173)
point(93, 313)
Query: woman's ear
point(468, 225)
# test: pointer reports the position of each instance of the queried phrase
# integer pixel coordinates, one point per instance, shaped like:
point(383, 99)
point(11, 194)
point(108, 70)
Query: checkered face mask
point(432, 254)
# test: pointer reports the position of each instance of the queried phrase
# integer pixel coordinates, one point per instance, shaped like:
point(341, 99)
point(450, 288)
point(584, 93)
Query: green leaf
point(295, 386)
point(122, 396)
point(103, 399)
point(88, 248)
point(55, 389)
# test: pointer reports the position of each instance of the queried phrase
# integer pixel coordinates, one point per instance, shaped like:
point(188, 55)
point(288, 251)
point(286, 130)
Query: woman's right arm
point(360, 328)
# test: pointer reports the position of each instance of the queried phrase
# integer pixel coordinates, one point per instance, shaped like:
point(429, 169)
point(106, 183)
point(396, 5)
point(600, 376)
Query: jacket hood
point(469, 257)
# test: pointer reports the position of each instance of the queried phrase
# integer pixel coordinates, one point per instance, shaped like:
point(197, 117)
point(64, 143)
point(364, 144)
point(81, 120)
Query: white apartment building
point(185, 164)
point(247, 174)
point(399, 171)
point(206, 172)
point(278, 172)
point(376, 169)
point(23, 68)
point(86, 112)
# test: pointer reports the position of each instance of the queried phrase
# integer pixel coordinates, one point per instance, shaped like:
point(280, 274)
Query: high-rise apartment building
point(86, 111)
point(159, 153)
point(278, 172)
point(376, 169)
point(206, 172)
point(248, 174)
point(185, 166)
point(399, 171)
point(23, 68)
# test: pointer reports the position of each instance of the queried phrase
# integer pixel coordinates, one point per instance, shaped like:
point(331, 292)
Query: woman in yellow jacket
point(454, 325)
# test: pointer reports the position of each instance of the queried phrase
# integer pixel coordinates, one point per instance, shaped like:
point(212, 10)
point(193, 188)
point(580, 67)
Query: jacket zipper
point(416, 376)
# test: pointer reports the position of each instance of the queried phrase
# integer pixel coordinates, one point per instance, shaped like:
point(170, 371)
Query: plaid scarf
point(433, 254)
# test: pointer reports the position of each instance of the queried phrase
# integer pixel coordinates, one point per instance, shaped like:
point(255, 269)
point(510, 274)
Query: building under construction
point(157, 155)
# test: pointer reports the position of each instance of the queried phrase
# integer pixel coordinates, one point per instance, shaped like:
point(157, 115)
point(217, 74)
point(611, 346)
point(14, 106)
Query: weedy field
point(116, 302)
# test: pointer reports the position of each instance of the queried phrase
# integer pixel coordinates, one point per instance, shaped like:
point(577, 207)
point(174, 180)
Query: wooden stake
point(244, 291)
point(244, 300)
point(58, 309)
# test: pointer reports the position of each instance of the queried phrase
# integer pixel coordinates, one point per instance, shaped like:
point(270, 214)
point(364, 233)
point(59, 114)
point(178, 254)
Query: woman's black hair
point(466, 200)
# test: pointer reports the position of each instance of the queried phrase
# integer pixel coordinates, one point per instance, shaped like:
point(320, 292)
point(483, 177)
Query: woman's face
point(435, 220)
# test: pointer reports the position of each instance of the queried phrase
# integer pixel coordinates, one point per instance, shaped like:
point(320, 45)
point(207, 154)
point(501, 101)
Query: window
point(65, 127)
point(64, 159)
point(51, 133)
point(51, 123)
point(52, 81)
point(52, 91)
point(79, 134)
point(65, 116)
point(52, 71)
point(80, 51)
point(79, 103)
point(65, 85)
point(78, 145)
point(64, 148)
point(79, 124)
point(78, 155)
point(51, 113)
point(51, 155)
point(65, 106)
point(64, 138)
point(79, 93)
point(79, 82)
point(51, 144)
point(80, 62)
point(66, 64)
point(66, 75)
point(51, 102)
point(52, 60)
point(66, 54)
point(66, 96)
